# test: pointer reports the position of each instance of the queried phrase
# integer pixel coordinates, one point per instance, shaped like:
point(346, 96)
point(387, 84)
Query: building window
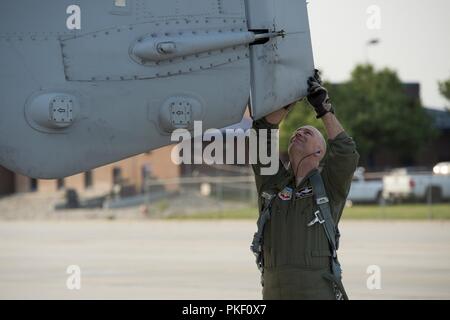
point(117, 175)
point(33, 184)
point(59, 184)
point(88, 179)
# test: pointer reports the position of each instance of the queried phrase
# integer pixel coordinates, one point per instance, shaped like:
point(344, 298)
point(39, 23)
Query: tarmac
point(160, 259)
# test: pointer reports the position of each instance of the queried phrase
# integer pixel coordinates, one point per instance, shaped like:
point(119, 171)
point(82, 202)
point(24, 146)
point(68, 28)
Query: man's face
point(304, 141)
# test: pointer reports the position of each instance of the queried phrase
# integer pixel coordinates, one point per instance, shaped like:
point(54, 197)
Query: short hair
point(317, 131)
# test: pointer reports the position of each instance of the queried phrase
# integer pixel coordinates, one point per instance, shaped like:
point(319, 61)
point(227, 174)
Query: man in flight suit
point(296, 256)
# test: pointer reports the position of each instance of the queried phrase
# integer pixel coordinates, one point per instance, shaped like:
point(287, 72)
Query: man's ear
point(318, 153)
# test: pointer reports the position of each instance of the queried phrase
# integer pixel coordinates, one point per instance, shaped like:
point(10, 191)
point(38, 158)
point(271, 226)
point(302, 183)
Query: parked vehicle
point(442, 168)
point(418, 184)
point(364, 190)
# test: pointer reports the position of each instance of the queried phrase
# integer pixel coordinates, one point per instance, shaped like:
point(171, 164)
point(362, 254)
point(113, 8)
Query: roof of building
point(441, 118)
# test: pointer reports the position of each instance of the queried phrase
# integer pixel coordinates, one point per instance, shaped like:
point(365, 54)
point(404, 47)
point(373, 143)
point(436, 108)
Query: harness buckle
point(317, 219)
point(256, 249)
point(266, 195)
point(322, 200)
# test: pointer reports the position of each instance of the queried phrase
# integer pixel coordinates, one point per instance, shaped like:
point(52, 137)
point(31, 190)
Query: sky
point(414, 40)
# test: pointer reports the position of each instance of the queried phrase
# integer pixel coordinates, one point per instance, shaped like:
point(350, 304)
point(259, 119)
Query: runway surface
point(206, 259)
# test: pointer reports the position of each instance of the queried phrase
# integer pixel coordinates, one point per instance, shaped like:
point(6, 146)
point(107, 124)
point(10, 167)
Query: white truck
point(418, 184)
point(364, 189)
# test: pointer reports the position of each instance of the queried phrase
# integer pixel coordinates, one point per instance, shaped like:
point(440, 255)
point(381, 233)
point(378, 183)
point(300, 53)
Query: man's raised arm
point(342, 158)
point(267, 123)
point(277, 116)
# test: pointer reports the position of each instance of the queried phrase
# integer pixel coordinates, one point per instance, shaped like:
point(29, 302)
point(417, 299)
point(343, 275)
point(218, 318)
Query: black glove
point(318, 96)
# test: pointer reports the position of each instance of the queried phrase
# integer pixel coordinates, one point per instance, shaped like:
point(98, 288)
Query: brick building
point(130, 172)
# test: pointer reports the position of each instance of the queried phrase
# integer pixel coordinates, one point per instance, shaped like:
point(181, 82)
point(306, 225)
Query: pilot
point(301, 205)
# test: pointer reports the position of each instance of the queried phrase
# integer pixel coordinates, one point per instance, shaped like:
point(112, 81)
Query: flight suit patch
point(304, 193)
point(285, 194)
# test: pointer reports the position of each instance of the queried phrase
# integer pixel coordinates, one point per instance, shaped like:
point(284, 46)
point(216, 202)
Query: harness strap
point(257, 243)
point(326, 220)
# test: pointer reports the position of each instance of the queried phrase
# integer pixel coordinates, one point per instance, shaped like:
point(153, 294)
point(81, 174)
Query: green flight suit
point(296, 256)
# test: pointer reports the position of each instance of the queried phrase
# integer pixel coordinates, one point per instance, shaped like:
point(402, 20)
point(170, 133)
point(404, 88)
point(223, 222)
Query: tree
point(444, 89)
point(375, 110)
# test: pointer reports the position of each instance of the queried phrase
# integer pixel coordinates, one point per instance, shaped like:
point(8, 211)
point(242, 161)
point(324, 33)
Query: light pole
point(369, 43)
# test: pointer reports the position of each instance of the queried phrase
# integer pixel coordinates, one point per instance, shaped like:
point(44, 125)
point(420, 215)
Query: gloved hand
point(318, 96)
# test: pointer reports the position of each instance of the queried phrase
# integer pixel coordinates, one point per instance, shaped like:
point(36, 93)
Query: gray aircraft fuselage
point(86, 83)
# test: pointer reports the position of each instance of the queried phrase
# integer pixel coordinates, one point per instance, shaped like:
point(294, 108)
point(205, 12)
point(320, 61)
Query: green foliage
point(373, 108)
point(360, 212)
point(162, 205)
point(444, 89)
